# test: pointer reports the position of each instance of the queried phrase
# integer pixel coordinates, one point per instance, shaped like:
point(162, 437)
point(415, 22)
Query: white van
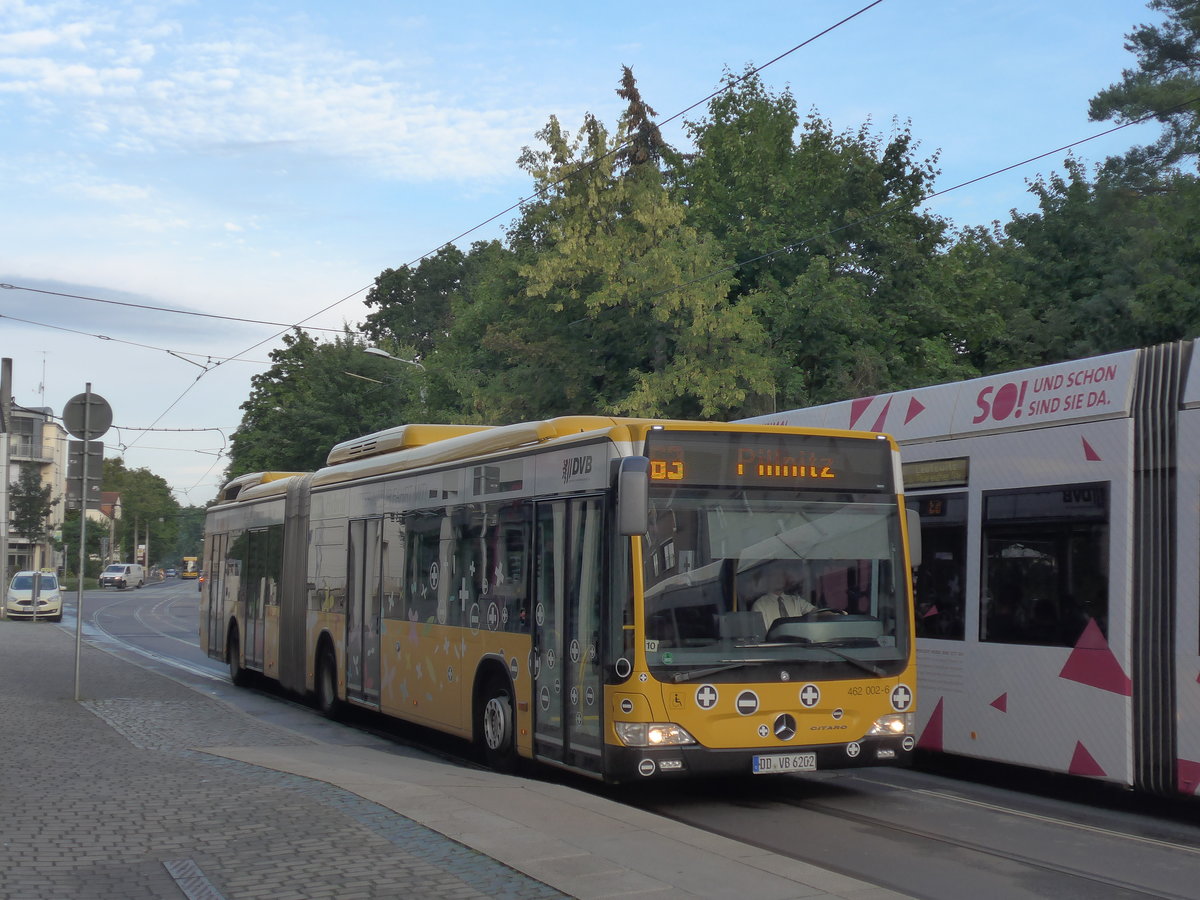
point(123, 575)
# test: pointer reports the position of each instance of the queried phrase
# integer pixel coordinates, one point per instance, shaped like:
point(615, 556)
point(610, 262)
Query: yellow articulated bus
point(623, 598)
point(190, 568)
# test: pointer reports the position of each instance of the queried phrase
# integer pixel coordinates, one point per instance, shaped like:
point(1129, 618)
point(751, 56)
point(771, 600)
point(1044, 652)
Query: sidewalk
point(149, 788)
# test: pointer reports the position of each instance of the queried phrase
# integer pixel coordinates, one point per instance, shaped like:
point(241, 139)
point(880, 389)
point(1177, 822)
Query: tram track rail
point(885, 833)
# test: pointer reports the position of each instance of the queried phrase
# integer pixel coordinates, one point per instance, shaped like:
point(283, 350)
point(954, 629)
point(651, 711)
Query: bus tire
point(326, 683)
point(233, 657)
point(496, 726)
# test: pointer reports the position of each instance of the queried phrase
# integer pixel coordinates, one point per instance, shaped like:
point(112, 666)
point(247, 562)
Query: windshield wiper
point(853, 660)
point(712, 670)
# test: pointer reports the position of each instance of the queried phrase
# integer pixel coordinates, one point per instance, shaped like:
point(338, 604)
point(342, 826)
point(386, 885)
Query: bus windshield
point(734, 577)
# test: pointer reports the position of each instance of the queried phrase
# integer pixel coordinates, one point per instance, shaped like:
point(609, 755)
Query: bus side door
point(568, 545)
point(363, 610)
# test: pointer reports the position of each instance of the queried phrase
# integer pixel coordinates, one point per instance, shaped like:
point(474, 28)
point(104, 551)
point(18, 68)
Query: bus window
point(394, 545)
point(425, 581)
point(1045, 560)
point(506, 562)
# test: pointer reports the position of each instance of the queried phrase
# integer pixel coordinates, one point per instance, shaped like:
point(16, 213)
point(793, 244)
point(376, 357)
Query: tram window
point(939, 582)
point(1045, 564)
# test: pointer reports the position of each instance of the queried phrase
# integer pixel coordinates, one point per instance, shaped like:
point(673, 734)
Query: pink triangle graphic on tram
point(882, 416)
point(1083, 763)
point(915, 408)
point(857, 408)
point(1188, 776)
point(1089, 452)
point(1001, 702)
point(932, 611)
point(1093, 663)
point(931, 737)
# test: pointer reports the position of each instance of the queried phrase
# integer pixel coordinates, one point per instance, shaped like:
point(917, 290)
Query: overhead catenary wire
point(167, 309)
point(212, 360)
point(728, 86)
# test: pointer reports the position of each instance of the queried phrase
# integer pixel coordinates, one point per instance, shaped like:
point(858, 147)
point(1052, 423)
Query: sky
point(266, 160)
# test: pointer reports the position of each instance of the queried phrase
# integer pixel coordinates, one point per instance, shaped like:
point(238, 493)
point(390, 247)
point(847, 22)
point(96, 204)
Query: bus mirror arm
point(914, 538)
point(633, 496)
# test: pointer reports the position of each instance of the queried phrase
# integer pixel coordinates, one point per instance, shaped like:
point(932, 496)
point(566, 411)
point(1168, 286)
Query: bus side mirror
point(914, 538)
point(633, 496)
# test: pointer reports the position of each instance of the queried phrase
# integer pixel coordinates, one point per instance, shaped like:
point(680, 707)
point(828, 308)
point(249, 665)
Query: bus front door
point(566, 632)
point(363, 610)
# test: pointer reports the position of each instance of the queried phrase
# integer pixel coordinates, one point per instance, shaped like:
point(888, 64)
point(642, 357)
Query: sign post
point(86, 416)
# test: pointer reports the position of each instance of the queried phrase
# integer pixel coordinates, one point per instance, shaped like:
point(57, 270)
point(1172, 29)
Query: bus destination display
point(734, 459)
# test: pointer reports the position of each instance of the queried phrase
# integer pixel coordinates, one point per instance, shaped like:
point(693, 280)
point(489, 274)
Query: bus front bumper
point(627, 764)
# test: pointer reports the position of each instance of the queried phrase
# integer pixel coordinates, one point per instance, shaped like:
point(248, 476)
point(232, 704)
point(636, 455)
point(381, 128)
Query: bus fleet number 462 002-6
point(777, 763)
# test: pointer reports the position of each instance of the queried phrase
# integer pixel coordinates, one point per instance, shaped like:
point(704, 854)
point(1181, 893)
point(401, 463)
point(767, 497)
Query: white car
point(123, 575)
point(19, 602)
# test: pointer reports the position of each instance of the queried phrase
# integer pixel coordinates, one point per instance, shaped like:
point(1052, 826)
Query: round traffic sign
point(87, 416)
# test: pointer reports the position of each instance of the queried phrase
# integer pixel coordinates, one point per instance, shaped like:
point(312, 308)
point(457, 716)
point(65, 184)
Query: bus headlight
point(897, 723)
point(652, 734)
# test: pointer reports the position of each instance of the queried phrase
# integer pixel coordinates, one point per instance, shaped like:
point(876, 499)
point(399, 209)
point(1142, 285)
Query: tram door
point(363, 610)
point(566, 635)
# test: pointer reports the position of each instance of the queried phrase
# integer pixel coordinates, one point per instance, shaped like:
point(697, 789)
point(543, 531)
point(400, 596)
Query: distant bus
point(580, 592)
point(191, 567)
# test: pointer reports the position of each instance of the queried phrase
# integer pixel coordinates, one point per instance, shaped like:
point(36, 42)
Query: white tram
point(1057, 616)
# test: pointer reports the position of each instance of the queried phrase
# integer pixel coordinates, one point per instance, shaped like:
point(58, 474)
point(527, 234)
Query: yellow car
point(19, 602)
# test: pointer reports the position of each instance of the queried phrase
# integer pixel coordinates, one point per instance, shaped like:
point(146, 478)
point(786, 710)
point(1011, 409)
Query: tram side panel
point(1187, 610)
point(1024, 648)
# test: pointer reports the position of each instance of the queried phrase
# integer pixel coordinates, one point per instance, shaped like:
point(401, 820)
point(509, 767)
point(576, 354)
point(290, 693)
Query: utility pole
point(5, 414)
point(87, 416)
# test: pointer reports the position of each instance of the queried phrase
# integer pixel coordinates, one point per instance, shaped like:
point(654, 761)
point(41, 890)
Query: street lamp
point(375, 351)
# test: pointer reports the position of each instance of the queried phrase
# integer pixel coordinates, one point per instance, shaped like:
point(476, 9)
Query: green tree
point(189, 540)
point(30, 505)
point(70, 544)
point(147, 507)
point(316, 394)
point(1104, 266)
point(612, 302)
point(414, 305)
point(1166, 84)
point(842, 266)
point(995, 329)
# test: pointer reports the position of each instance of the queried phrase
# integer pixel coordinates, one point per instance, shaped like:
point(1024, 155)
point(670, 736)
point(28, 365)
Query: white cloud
point(149, 86)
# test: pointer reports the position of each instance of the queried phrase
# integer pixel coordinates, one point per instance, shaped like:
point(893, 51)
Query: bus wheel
point(496, 727)
point(327, 699)
point(233, 655)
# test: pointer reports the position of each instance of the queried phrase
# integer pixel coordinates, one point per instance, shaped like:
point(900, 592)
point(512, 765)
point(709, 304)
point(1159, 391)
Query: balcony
point(21, 448)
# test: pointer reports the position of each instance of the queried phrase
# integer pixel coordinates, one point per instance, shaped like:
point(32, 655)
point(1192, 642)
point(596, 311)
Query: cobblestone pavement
point(108, 798)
